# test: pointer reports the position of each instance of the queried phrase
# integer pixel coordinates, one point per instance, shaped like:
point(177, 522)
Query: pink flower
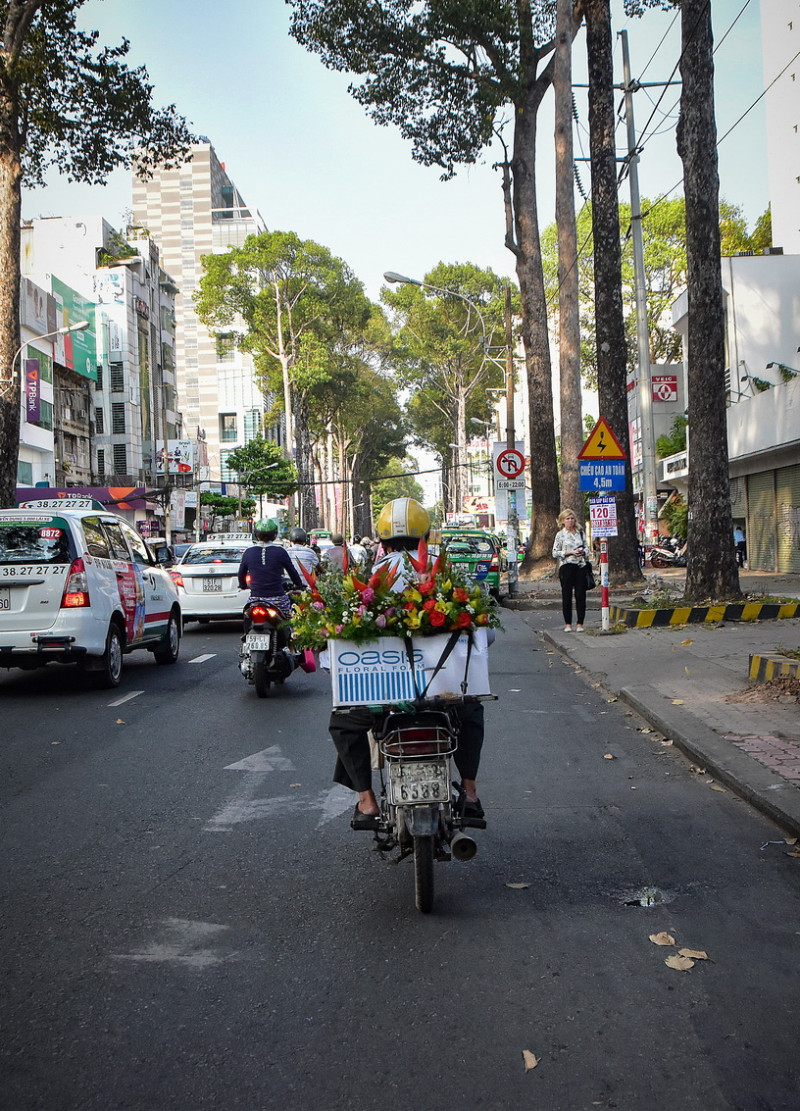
point(380, 621)
point(339, 630)
point(368, 595)
point(318, 606)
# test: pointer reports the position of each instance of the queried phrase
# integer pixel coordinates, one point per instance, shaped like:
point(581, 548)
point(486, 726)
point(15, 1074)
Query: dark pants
point(573, 578)
point(741, 552)
point(349, 733)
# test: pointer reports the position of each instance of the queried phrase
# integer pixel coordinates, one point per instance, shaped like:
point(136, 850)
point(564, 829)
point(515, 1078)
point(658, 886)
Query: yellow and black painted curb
point(766, 667)
point(697, 615)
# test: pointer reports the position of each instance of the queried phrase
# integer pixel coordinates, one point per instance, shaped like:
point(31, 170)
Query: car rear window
point(225, 553)
point(35, 539)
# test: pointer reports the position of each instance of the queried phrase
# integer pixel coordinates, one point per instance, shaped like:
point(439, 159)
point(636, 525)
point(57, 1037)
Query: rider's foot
point(360, 820)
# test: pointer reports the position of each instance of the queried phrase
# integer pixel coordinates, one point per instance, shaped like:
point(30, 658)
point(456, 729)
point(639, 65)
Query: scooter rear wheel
point(261, 679)
point(657, 561)
point(423, 873)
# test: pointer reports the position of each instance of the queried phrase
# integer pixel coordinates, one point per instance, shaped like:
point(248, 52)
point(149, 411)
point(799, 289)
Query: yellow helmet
point(403, 518)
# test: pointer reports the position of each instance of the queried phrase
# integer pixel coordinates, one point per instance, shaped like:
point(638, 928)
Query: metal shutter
point(738, 500)
point(787, 483)
point(761, 521)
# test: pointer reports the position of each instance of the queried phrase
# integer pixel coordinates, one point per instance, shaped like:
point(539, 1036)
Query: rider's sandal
point(360, 820)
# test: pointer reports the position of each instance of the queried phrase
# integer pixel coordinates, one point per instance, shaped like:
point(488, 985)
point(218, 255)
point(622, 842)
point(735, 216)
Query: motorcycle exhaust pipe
point(462, 846)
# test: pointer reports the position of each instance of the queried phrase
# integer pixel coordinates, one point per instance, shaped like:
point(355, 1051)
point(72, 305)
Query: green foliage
point(676, 514)
point(222, 505)
point(262, 469)
point(399, 484)
point(115, 249)
point(675, 441)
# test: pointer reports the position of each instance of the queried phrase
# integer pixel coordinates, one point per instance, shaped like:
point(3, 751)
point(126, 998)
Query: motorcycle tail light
point(176, 577)
point(76, 589)
point(258, 614)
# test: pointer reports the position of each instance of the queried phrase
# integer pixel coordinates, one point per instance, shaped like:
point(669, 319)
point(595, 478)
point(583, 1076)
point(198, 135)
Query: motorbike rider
point(402, 523)
point(301, 551)
point(262, 569)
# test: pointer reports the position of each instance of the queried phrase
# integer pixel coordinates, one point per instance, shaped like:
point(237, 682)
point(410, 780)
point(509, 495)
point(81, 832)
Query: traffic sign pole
point(604, 607)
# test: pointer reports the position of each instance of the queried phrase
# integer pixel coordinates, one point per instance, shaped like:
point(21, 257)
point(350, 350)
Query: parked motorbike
point(263, 659)
point(672, 553)
point(421, 808)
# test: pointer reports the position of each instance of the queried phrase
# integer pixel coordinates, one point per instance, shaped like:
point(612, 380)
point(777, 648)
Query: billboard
point(77, 350)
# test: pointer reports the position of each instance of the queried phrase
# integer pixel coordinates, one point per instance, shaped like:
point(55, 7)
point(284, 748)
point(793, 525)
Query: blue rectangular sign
point(599, 476)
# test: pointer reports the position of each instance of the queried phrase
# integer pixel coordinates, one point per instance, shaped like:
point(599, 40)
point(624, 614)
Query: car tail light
point(495, 564)
point(76, 590)
point(176, 577)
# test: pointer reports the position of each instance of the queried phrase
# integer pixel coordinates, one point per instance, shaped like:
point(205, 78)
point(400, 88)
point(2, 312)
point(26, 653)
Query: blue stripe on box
point(373, 687)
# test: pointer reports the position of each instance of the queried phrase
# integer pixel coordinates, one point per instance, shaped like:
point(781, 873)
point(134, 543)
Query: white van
point(79, 585)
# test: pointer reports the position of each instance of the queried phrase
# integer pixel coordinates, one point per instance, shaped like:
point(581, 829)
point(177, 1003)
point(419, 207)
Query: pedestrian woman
point(569, 548)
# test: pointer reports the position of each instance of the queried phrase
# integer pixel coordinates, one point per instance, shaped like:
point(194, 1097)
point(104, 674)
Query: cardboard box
point(379, 671)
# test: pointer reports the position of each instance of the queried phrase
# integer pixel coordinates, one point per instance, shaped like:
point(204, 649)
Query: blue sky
point(306, 155)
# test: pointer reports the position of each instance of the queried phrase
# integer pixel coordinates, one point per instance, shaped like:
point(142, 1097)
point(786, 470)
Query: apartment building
point(192, 211)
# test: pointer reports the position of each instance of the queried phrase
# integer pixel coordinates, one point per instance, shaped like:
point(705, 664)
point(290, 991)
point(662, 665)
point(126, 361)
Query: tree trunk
point(572, 435)
point(10, 208)
point(307, 502)
point(544, 462)
point(609, 319)
point(711, 571)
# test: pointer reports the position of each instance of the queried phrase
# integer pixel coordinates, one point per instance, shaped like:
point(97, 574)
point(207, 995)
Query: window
point(99, 421)
point(227, 427)
point(225, 472)
point(96, 540)
point(117, 379)
point(116, 541)
point(120, 459)
point(140, 553)
point(24, 473)
point(252, 424)
point(101, 463)
point(46, 415)
point(226, 347)
point(99, 383)
point(118, 418)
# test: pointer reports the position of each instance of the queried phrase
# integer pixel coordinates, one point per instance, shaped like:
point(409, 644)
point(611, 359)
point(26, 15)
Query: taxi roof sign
point(602, 443)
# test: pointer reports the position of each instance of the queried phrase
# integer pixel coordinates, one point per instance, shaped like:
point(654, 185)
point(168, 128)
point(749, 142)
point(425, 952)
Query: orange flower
point(429, 587)
point(482, 619)
point(460, 595)
point(429, 604)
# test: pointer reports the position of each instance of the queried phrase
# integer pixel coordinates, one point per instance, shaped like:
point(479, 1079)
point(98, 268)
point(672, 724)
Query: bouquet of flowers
point(437, 600)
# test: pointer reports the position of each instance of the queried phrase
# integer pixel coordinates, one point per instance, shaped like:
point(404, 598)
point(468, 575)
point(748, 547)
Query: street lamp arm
point(81, 326)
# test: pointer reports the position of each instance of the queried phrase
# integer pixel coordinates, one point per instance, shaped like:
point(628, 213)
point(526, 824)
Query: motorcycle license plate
point(212, 586)
point(258, 642)
point(418, 783)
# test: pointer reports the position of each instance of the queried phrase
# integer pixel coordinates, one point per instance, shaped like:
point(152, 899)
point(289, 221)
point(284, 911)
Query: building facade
point(780, 49)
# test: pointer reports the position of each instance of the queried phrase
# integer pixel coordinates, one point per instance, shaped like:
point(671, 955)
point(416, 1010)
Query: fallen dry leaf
point(716, 787)
point(295, 784)
point(694, 954)
point(795, 853)
point(611, 700)
point(681, 964)
point(687, 642)
point(790, 841)
point(677, 702)
point(609, 756)
point(697, 770)
point(688, 672)
point(518, 886)
point(530, 1060)
point(119, 721)
point(662, 939)
point(645, 730)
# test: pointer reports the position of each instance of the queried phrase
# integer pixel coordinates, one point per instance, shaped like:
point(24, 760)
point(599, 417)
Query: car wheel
point(109, 672)
point(167, 651)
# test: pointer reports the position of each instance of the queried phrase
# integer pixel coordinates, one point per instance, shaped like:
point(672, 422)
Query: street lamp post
point(81, 326)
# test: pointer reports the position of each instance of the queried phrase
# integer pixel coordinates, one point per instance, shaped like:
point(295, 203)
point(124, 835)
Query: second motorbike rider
point(263, 568)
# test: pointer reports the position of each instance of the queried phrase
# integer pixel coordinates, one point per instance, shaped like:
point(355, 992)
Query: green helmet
point(265, 529)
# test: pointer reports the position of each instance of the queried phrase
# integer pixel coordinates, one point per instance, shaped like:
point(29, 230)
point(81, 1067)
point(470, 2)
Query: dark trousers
point(741, 552)
point(349, 733)
point(573, 579)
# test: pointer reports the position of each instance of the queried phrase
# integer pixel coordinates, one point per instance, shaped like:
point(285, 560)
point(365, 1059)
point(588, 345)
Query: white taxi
point(207, 578)
point(79, 585)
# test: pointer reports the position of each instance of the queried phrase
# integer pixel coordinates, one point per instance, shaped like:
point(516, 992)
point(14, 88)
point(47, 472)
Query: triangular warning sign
point(602, 443)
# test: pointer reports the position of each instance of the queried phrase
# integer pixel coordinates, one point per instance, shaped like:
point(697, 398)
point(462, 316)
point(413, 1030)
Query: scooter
point(669, 554)
point(421, 808)
point(263, 660)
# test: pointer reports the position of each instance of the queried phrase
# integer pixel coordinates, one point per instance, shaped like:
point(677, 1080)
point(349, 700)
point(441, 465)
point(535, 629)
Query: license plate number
point(5, 598)
point(419, 782)
point(258, 642)
point(212, 586)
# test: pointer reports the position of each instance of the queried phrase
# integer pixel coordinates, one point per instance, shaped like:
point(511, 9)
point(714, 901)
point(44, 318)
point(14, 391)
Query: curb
point(694, 615)
point(772, 666)
point(768, 792)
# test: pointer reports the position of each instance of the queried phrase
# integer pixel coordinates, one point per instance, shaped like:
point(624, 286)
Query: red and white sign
point(510, 463)
point(603, 516)
point(665, 387)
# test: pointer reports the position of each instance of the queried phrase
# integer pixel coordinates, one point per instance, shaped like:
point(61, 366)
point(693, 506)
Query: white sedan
point(208, 583)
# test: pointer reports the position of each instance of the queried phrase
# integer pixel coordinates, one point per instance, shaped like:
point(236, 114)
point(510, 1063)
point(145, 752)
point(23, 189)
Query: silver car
point(208, 583)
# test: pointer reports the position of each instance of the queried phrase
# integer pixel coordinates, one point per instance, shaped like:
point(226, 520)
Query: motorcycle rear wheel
point(261, 679)
point(657, 561)
point(423, 873)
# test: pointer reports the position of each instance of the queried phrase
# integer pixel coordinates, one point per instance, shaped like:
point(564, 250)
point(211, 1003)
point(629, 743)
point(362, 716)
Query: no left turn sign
point(510, 463)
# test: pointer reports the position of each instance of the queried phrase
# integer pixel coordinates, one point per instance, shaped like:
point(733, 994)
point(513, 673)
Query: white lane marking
point(202, 659)
point(182, 942)
point(334, 802)
point(126, 698)
point(268, 760)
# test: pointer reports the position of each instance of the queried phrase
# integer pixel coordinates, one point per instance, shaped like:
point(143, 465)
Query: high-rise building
point(192, 211)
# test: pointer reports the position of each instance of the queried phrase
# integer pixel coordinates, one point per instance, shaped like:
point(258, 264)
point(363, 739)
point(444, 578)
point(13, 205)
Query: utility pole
point(511, 443)
point(645, 386)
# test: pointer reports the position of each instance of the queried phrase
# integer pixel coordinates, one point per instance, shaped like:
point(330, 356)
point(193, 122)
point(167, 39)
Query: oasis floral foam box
point(379, 670)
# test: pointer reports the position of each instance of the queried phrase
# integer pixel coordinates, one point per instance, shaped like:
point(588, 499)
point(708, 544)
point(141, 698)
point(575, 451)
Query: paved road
point(189, 923)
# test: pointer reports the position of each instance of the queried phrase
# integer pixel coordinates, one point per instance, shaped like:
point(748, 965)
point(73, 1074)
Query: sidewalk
point(691, 684)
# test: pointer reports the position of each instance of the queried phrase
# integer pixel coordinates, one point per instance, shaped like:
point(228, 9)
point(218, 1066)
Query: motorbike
point(421, 807)
point(670, 554)
point(263, 660)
